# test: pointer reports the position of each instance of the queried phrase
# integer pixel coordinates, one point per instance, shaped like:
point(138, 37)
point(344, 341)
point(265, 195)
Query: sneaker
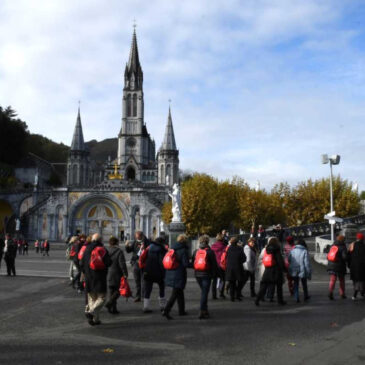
point(137, 300)
point(353, 298)
point(330, 296)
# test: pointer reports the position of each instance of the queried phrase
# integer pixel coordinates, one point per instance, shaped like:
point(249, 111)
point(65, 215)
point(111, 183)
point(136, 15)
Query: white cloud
point(259, 88)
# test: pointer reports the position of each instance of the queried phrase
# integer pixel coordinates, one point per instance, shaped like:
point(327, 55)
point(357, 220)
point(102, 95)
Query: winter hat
point(360, 237)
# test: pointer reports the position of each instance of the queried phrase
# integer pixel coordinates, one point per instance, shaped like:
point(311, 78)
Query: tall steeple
point(78, 169)
point(78, 137)
point(133, 75)
point(169, 143)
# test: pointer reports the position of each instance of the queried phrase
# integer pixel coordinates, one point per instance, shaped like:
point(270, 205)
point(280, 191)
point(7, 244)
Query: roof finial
point(134, 24)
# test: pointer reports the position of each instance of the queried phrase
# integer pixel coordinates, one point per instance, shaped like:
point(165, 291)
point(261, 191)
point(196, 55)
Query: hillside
point(100, 151)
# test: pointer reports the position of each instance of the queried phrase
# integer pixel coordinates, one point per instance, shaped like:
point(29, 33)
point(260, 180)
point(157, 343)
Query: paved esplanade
point(42, 322)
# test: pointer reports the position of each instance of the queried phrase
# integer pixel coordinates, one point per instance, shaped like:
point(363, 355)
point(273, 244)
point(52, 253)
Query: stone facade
point(129, 196)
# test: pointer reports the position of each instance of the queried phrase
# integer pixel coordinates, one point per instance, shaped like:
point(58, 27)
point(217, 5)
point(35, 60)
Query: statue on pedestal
point(176, 203)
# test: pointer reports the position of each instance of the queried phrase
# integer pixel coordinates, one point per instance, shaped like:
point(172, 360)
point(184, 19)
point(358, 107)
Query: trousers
point(176, 294)
point(95, 303)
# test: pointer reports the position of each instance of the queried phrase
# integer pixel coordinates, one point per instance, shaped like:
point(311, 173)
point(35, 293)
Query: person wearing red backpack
point(219, 246)
point(136, 247)
point(176, 278)
point(274, 271)
point(337, 260)
point(94, 264)
point(117, 269)
point(234, 271)
point(154, 272)
point(205, 268)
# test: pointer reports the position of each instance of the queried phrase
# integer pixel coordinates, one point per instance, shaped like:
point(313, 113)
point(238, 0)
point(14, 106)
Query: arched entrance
point(131, 173)
point(105, 215)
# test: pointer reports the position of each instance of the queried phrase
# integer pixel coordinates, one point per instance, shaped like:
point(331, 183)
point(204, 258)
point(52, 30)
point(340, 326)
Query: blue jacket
point(299, 264)
point(177, 278)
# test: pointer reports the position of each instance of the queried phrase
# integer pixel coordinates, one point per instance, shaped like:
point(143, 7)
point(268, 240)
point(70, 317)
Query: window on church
point(129, 105)
point(74, 174)
point(134, 105)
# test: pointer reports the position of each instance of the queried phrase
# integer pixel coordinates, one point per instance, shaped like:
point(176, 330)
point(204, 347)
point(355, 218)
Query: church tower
point(78, 164)
point(136, 150)
point(168, 157)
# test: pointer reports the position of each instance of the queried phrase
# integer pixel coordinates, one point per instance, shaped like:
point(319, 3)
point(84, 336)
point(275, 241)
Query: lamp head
point(335, 159)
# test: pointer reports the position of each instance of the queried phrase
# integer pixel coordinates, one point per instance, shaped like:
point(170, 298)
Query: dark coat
point(118, 268)
point(2, 245)
point(235, 260)
point(274, 274)
point(135, 248)
point(177, 278)
point(357, 261)
point(12, 249)
point(95, 281)
point(154, 270)
point(213, 267)
point(339, 266)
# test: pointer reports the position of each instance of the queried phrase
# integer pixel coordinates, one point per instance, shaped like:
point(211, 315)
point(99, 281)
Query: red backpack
point(81, 252)
point(96, 259)
point(170, 262)
point(143, 258)
point(268, 260)
point(73, 251)
point(223, 263)
point(201, 260)
point(332, 254)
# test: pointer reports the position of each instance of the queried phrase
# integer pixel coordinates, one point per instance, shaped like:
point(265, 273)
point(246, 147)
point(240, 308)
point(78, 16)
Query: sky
point(259, 89)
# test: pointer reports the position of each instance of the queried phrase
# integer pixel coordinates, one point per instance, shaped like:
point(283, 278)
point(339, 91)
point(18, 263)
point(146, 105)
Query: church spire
point(133, 71)
point(169, 143)
point(78, 137)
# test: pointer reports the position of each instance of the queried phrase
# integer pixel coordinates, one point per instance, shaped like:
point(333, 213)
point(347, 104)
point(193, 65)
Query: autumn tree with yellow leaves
point(209, 205)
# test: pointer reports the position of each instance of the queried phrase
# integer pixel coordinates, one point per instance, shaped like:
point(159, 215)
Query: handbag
point(124, 288)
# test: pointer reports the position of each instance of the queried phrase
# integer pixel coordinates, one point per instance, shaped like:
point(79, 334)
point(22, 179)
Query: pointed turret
point(169, 143)
point(78, 137)
point(168, 157)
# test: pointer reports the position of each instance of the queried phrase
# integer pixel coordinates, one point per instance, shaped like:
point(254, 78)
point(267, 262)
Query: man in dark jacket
point(136, 248)
point(117, 269)
point(154, 272)
point(357, 265)
point(204, 278)
point(234, 271)
point(10, 251)
point(176, 278)
point(95, 279)
point(273, 275)
point(337, 268)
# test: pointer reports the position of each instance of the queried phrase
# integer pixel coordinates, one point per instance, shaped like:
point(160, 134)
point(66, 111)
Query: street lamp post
point(332, 160)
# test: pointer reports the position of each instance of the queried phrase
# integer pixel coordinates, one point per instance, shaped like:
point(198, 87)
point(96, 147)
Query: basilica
point(127, 195)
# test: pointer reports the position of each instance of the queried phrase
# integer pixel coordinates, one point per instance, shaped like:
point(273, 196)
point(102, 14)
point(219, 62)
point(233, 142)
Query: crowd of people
point(222, 269)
